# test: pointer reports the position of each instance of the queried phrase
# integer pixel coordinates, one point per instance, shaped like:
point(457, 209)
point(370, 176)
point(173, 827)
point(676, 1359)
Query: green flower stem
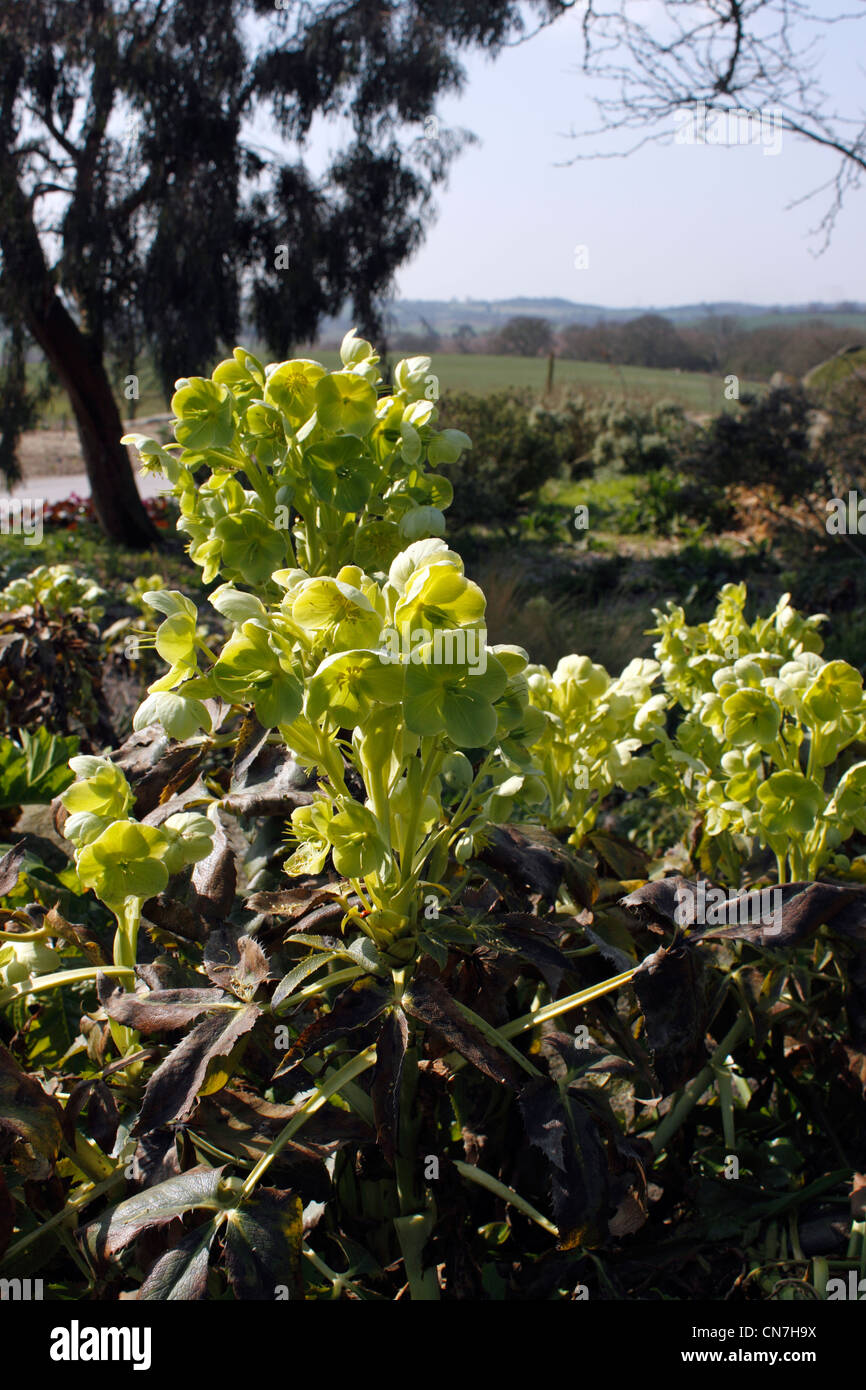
point(548, 1011)
point(498, 1038)
point(562, 1006)
point(413, 1231)
point(376, 783)
point(59, 978)
point(126, 937)
point(39, 935)
point(323, 1093)
point(499, 1189)
point(726, 1102)
point(689, 1098)
point(339, 977)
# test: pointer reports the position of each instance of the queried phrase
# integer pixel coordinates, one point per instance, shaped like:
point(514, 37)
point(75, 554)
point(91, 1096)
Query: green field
point(698, 392)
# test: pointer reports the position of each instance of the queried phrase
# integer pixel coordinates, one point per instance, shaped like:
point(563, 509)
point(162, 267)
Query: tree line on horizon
point(717, 344)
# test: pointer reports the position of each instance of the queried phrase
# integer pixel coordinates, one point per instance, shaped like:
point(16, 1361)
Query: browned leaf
point(181, 1273)
point(291, 903)
point(158, 1011)
point(140, 753)
point(534, 858)
point(526, 936)
point(169, 915)
point(624, 859)
point(353, 1008)
point(194, 1190)
point(31, 1117)
point(187, 800)
point(171, 1091)
point(388, 1073)
point(215, 878)
point(172, 773)
point(570, 1142)
point(77, 935)
point(670, 987)
point(235, 961)
point(271, 785)
point(252, 737)
point(429, 1001)
point(10, 869)
point(241, 1123)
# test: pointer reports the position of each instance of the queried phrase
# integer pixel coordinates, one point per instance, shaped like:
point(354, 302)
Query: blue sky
point(666, 226)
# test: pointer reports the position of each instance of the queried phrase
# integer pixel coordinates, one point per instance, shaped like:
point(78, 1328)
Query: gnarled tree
point(138, 210)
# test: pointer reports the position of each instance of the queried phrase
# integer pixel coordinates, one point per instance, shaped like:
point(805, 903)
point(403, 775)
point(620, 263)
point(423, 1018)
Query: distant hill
point(483, 315)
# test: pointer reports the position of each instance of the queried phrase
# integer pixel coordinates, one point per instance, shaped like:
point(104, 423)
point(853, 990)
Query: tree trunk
point(79, 365)
point(118, 507)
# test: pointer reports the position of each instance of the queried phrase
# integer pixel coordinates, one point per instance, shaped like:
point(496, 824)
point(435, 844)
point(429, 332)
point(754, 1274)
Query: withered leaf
point(353, 1008)
point(263, 1246)
point(429, 1001)
point(671, 990)
point(172, 1089)
point(158, 1011)
point(215, 878)
point(252, 737)
point(190, 797)
point(169, 915)
point(76, 935)
point(525, 935)
point(198, 1188)
point(291, 903)
point(103, 1116)
point(387, 1076)
point(174, 771)
point(181, 1273)
point(32, 1118)
point(534, 858)
point(628, 1218)
point(235, 961)
point(855, 998)
point(749, 915)
point(624, 859)
point(10, 869)
point(242, 1123)
point(567, 1136)
point(272, 785)
point(139, 753)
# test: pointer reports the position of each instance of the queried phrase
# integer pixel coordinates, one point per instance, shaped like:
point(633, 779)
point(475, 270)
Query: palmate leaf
point(672, 992)
point(181, 1273)
point(429, 1001)
point(565, 1133)
point(354, 1008)
point(159, 1011)
point(195, 1190)
point(263, 1242)
point(172, 1089)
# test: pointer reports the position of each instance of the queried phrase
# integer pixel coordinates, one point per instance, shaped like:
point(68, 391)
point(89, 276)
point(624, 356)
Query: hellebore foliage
point(343, 913)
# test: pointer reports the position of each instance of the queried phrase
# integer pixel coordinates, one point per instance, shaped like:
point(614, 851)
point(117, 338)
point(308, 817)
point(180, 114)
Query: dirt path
point(52, 467)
